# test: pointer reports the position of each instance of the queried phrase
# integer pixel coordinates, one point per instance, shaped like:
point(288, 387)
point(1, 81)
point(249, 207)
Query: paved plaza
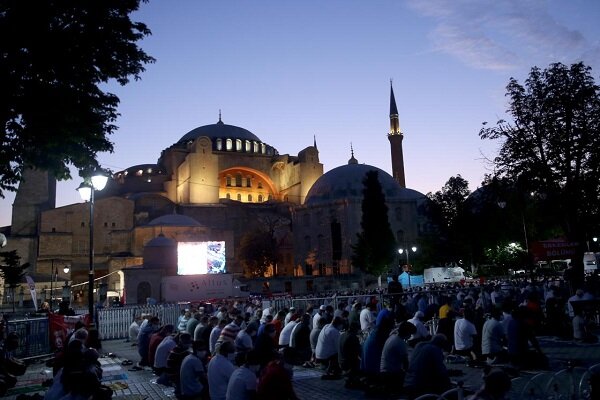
point(131, 385)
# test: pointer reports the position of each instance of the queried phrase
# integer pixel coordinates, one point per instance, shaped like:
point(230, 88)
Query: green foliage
point(506, 256)
point(551, 146)
point(258, 252)
point(376, 246)
point(11, 269)
point(449, 213)
point(55, 56)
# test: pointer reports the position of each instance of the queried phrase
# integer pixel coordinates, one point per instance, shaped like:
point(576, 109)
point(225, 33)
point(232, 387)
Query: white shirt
point(163, 350)
point(219, 372)
point(212, 340)
point(134, 331)
point(191, 370)
point(288, 318)
point(463, 334)
point(315, 320)
point(422, 331)
point(241, 382)
point(286, 333)
point(367, 319)
point(327, 344)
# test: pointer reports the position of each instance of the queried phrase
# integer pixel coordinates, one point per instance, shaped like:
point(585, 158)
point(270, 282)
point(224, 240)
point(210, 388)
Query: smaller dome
point(174, 220)
point(161, 241)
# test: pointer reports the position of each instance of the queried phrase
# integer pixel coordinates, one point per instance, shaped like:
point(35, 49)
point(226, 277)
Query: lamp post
point(53, 278)
point(86, 190)
point(408, 269)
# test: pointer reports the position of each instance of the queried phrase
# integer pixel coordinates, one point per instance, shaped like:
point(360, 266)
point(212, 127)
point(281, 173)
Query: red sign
point(61, 326)
point(555, 249)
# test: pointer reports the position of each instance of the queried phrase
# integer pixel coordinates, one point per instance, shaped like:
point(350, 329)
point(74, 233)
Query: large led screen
point(195, 258)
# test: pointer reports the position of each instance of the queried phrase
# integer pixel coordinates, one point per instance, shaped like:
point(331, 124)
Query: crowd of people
point(397, 342)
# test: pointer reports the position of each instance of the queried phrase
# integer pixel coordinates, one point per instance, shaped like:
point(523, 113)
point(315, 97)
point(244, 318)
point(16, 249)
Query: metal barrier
point(33, 337)
point(113, 323)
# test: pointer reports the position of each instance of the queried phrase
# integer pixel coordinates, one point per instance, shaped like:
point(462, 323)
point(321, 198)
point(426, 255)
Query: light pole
point(86, 190)
point(408, 269)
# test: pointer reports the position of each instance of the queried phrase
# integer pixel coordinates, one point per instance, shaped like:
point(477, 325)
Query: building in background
point(217, 183)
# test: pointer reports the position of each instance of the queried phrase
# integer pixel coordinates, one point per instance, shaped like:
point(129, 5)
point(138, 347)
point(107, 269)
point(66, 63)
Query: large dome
point(346, 182)
point(219, 130)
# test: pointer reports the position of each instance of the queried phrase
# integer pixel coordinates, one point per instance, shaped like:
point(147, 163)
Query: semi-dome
point(219, 130)
point(174, 220)
point(346, 182)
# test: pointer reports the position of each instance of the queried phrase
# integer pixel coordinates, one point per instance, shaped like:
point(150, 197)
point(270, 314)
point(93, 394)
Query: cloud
point(503, 34)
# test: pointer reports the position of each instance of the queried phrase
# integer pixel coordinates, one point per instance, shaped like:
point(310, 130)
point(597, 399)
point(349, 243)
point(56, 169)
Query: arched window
point(249, 198)
point(238, 145)
point(239, 197)
point(248, 148)
point(229, 144)
point(260, 185)
point(228, 196)
point(248, 181)
point(260, 198)
point(238, 180)
point(263, 148)
point(398, 213)
point(255, 149)
point(228, 180)
point(219, 144)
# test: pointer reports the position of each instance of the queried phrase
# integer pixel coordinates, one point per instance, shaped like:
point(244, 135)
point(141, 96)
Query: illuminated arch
point(261, 185)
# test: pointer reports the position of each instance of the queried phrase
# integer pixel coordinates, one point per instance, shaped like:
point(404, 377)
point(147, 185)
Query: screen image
point(195, 258)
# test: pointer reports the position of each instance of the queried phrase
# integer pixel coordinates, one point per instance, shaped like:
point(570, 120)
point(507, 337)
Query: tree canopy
point(551, 145)
point(375, 248)
point(54, 57)
point(448, 212)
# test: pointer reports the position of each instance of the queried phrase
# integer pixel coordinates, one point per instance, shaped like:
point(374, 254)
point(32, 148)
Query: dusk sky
point(288, 71)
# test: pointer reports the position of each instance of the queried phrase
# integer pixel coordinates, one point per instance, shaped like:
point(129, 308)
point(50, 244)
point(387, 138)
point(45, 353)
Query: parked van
point(590, 263)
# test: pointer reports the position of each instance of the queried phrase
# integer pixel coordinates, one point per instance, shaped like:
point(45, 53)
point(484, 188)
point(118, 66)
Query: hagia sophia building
point(218, 182)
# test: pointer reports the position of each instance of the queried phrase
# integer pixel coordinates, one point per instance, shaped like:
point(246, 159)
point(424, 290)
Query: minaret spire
point(220, 122)
point(315, 141)
point(352, 160)
point(395, 136)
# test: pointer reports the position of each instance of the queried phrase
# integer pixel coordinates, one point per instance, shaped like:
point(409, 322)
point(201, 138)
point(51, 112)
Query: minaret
point(395, 136)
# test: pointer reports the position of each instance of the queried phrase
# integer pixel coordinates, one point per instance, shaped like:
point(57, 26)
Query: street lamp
point(401, 251)
point(86, 190)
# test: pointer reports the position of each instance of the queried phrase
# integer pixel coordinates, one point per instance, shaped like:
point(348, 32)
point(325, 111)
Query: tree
point(258, 252)
point(375, 248)
point(448, 211)
point(12, 271)
point(54, 57)
point(551, 146)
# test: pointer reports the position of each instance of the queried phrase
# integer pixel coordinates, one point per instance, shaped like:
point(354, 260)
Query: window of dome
point(239, 197)
point(228, 180)
point(263, 148)
point(238, 180)
point(260, 198)
point(139, 172)
point(238, 144)
point(248, 146)
point(255, 147)
point(149, 180)
point(228, 196)
point(270, 197)
point(149, 170)
point(249, 197)
point(229, 144)
point(125, 173)
point(248, 181)
point(219, 144)
point(260, 186)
